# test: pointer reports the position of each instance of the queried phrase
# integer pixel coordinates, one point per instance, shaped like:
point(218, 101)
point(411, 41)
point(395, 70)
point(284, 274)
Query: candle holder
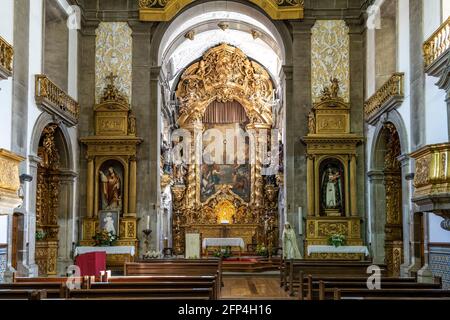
point(147, 233)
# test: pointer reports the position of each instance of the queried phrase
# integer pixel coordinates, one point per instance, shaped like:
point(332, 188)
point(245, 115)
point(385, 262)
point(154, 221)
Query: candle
point(148, 222)
point(166, 243)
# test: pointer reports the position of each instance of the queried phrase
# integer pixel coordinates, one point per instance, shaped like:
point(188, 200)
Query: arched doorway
point(53, 206)
point(388, 219)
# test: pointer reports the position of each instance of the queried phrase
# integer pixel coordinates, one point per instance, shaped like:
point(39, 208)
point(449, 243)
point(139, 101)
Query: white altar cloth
point(109, 250)
point(341, 249)
point(223, 242)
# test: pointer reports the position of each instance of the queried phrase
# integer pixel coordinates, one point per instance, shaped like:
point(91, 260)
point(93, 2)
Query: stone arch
point(66, 212)
point(389, 196)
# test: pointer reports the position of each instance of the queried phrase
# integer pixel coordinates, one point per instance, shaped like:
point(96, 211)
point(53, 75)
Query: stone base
point(424, 275)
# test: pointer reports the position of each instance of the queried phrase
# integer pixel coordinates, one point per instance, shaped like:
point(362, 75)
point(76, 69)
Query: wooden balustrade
point(55, 100)
point(387, 97)
point(436, 45)
point(6, 59)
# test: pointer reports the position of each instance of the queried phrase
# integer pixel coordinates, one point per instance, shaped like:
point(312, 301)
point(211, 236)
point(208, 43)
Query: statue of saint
point(290, 247)
point(109, 223)
point(311, 122)
point(111, 190)
point(331, 188)
point(334, 87)
point(132, 124)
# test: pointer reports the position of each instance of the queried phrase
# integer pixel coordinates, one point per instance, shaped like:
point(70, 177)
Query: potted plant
point(337, 240)
point(104, 238)
point(261, 250)
point(223, 252)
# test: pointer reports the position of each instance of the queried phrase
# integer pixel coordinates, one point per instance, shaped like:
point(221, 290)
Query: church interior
point(227, 149)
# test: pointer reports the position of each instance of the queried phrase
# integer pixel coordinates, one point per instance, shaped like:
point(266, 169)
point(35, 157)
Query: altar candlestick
point(165, 243)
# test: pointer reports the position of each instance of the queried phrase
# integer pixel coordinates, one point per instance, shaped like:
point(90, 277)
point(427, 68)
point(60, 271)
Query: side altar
point(331, 175)
point(111, 174)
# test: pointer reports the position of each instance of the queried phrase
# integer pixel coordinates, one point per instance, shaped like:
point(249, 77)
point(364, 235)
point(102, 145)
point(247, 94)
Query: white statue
point(332, 189)
point(290, 247)
point(109, 224)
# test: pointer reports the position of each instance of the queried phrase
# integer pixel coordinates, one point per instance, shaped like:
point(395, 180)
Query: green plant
point(40, 235)
point(104, 238)
point(261, 250)
point(337, 240)
point(223, 252)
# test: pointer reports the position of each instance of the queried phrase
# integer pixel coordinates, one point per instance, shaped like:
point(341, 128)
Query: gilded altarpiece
point(111, 170)
point(225, 75)
point(331, 174)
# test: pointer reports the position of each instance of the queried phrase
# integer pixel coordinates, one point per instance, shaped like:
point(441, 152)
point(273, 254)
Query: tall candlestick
point(148, 222)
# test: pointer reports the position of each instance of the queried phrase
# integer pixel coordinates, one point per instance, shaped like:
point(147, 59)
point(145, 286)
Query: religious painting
point(111, 186)
point(215, 175)
point(109, 221)
point(332, 187)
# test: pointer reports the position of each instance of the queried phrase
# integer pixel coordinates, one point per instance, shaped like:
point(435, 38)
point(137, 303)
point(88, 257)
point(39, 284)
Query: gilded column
point(353, 203)
point(132, 186)
point(90, 188)
point(310, 184)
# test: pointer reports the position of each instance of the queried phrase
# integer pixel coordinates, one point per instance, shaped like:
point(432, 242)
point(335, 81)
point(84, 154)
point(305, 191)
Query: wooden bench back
point(172, 293)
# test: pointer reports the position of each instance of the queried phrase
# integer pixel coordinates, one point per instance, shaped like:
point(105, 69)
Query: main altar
point(224, 94)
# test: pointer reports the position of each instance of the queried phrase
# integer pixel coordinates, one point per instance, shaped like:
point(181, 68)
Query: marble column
point(378, 215)
point(132, 186)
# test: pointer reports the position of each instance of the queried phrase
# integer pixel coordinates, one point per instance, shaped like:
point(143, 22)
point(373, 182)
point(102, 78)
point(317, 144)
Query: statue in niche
point(111, 189)
point(165, 157)
point(332, 188)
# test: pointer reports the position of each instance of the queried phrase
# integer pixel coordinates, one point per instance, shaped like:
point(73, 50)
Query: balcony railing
point(6, 59)
point(435, 47)
point(389, 96)
point(55, 101)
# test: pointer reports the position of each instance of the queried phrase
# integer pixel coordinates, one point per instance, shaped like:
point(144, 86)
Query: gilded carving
point(6, 58)
point(437, 44)
point(326, 229)
point(165, 10)
point(225, 74)
point(393, 88)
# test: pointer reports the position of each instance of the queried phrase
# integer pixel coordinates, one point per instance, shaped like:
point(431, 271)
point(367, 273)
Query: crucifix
point(111, 78)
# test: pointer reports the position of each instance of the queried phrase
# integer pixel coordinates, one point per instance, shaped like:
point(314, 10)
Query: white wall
point(437, 234)
point(445, 9)
point(3, 228)
point(6, 32)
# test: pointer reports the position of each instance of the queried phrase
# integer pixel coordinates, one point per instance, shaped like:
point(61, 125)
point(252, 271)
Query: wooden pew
point(22, 294)
point(157, 284)
point(82, 280)
point(391, 294)
point(327, 288)
point(323, 268)
point(143, 294)
point(53, 289)
point(178, 267)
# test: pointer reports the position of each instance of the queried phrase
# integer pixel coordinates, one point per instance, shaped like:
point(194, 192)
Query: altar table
point(223, 242)
point(108, 250)
point(341, 249)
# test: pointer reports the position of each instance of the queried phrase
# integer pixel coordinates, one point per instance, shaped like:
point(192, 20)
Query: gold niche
point(331, 173)
point(165, 10)
point(113, 148)
point(224, 74)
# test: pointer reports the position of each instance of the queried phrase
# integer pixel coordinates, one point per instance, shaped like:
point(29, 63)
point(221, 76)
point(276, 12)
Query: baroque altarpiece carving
point(225, 200)
point(111, 169)
point(47, 202)
point(331, 174)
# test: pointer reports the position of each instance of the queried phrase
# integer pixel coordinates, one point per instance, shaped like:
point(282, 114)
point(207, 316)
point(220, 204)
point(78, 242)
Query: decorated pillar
point(132, 186)
point(90, 188)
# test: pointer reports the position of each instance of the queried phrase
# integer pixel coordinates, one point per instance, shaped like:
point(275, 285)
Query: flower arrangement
point(261, 250)
point(337, 240)
point(104, 238)
point(223, 252)
point(153, 255)
point(40, 235)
